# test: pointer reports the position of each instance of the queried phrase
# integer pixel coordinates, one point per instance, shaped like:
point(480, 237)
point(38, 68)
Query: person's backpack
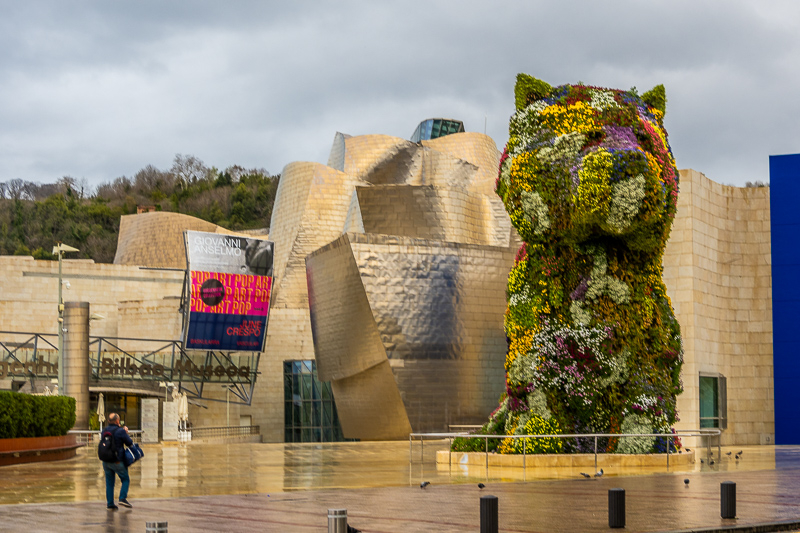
point(106, 450)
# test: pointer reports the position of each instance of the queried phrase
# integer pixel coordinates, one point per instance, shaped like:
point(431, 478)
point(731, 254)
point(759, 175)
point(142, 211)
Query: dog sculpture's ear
point(529, 89)
point(656, 98)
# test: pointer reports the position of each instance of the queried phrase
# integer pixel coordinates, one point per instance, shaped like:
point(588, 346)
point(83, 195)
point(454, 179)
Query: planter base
point(36, 449)
point(581, 460)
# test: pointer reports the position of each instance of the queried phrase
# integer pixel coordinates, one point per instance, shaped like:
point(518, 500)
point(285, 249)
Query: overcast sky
point(97, 90)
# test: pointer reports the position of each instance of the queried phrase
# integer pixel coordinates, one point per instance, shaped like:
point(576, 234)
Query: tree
point(188, 170)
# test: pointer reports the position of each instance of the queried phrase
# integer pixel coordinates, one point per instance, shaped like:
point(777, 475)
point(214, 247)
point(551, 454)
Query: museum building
point(388, 296)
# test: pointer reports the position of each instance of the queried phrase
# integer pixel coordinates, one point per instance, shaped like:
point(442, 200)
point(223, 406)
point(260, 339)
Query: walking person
point(119, 439)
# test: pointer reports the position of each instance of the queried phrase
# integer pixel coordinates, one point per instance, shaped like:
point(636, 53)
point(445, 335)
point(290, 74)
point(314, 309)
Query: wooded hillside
point(33, 216)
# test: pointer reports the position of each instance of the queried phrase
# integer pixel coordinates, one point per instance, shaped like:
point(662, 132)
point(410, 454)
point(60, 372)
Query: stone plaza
point(290, 487)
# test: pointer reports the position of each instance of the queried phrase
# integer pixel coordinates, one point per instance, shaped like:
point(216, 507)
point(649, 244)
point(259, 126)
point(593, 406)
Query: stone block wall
point(718, 275)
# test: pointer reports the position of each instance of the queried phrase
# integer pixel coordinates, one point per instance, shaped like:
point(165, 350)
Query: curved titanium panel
point(155, 239)
point(346, 338)
point(435, 307)
point(369, 405)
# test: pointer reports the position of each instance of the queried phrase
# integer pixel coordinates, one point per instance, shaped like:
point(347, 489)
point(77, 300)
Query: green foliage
point(529, 88)
point(22, 250)
point(24, 415)
point(42, 254)
point(35, 217)
point(477, 444)
point(94, 421)
point(657, 98)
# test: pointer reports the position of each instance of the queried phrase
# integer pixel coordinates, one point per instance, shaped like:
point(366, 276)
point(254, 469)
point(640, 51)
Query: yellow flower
point(652, 164)
point(519, 346)
point(579, 117)
point(594, 191)
point(522, 171)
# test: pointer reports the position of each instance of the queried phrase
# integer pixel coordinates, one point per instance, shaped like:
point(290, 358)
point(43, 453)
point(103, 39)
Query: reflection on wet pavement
point(214, 469)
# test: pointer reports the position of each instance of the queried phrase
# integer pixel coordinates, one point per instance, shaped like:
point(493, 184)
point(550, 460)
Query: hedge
point(23, 415)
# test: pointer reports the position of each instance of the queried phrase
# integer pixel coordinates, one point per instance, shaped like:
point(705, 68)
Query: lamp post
point(60, 248)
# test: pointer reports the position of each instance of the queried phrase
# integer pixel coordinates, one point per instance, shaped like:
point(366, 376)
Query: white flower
point(567, 146)
point(602, 100)
point(534, 207)
point(626, 198)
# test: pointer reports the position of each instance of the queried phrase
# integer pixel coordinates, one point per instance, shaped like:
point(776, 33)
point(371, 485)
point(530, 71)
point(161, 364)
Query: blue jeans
point(119, 469)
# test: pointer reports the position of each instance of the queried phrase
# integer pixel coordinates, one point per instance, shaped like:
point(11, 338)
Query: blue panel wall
point(784, 194)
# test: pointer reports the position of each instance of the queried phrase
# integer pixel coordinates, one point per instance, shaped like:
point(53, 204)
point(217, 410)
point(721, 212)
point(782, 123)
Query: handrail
point(703, 432)
point(85, 435)
point(463, 426)
point(223, 431)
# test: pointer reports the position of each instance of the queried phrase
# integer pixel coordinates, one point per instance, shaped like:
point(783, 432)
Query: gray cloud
point(103, 89)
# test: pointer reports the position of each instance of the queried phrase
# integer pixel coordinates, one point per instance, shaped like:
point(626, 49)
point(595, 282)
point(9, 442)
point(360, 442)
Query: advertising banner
point(230, 283)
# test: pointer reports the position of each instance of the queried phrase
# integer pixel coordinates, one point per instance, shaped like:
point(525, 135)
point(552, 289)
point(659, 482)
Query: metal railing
point(224, 431)
point(706, 432)
point(158, 360)
point(462, 427)
point(86, 436)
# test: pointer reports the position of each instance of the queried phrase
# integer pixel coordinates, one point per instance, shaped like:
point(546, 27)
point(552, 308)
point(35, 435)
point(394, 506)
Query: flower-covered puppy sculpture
point(590, 184)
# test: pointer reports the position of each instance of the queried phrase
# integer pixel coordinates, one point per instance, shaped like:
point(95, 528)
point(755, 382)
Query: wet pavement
point(276, 487)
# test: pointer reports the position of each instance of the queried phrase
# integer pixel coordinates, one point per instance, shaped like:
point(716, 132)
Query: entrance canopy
point(34, 356)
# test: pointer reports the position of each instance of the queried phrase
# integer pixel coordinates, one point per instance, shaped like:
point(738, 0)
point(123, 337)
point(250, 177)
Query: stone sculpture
point(590, 184)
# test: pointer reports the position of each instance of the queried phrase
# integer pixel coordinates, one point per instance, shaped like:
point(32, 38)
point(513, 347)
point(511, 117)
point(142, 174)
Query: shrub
point(23, 415)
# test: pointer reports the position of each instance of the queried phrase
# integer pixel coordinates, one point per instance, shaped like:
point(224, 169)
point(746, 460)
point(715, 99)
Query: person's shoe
point(125, 503)
point(112, 507)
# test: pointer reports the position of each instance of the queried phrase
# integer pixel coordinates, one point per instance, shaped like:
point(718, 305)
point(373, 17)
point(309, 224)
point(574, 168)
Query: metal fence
point(88, 436)
point(706, 433)
point(224, 431)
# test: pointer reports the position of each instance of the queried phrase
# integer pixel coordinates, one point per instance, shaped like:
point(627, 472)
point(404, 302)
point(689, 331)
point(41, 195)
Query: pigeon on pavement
point(599, 474)
point(424, 484)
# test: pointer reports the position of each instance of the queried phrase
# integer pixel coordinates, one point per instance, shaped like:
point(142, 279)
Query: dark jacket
point(121, 439)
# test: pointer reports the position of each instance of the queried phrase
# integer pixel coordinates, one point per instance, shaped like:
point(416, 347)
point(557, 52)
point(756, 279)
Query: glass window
point(709, 402)
point(713, 401)
point(310, 412)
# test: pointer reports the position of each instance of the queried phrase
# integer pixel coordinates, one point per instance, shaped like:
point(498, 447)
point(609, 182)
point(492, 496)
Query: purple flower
point(516, 405)
point(619, 137)
point(573, 173)
point(580, 290)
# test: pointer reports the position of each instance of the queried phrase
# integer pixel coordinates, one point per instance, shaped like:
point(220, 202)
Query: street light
point(60, 248)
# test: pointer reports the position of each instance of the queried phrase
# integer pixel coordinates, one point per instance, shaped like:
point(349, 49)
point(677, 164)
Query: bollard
point(156, 527)
point(616, 507)
point(489, 521)
point(337, 520)
point(727, 499)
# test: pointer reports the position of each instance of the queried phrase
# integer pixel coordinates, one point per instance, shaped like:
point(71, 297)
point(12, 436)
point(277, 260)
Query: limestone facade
point(717, 268)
